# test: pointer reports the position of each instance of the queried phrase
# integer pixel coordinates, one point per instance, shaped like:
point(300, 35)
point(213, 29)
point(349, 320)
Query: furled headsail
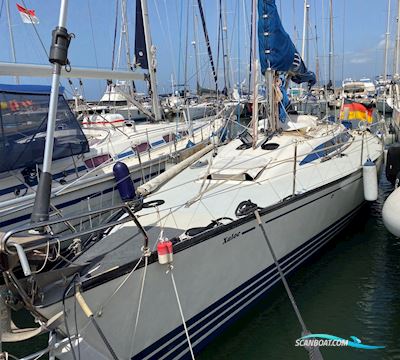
point(277, 50)
point(140, 41)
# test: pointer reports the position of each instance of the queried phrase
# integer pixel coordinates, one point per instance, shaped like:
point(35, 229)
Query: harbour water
point(351, 288)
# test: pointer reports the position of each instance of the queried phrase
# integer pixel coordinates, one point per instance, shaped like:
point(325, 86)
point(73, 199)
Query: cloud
point(360, 60)
point(381, 44)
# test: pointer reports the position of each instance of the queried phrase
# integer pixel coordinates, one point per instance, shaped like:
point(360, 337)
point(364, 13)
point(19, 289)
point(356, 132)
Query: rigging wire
point(167, 35)
point(180, 44)
point(93, 40)
point(42, 43)
point(92, 32)
point(37, 32)
point(325, 69)
point(344, 37)
point(115, 35)
point(246, 27)
point(314, 352)
point(222, 38)
point(181, 312)
point(317, 66)
point(203, 22)
point(251, 46)
point(1, 8)
point(239, 58)
point(218, 38)
point(235, 21)
point(295, 37)
point(146, 254)
point(186, 49)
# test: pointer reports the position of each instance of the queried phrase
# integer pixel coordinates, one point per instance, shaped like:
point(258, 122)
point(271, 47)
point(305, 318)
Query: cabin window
point(169, 137)
point(97, 161)
point(142, 147)
point(327, 148)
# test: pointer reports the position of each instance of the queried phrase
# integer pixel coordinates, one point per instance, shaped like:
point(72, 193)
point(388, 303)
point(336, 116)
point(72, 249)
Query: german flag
point(352, 110)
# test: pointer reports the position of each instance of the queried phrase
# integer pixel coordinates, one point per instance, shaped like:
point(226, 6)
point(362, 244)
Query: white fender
point(391, 211)
point(370, 180)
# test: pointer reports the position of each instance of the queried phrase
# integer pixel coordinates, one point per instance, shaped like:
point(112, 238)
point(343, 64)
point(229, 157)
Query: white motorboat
point(115, 101)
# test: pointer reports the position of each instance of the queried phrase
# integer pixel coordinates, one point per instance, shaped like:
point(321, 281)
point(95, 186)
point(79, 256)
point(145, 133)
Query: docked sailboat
point(187, 257)
point(384, 97)
point(84, 157)
point(115, 100)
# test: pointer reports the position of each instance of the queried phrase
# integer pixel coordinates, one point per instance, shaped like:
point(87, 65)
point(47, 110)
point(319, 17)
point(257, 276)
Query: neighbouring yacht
point(187, 253)
point(83, 157)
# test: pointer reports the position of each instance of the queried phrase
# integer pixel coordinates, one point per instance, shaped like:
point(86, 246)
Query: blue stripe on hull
point(240, 299)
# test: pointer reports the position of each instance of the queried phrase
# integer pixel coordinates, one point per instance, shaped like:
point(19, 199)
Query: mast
point(307, 58)
point(186, 51)
point(304, 47)
point(251, 46)
point(11, 34)
point(303, 44)
point(254, 117)
point(151, 56)
point(225, 46)
point(125, 34)
point(397, 55)
point(387, 35)
point(317, 69)
point(58, 57)
point(196, 51)
point(331, 74)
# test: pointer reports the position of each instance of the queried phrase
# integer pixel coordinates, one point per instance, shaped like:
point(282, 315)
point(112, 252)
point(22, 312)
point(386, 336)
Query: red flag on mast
point(28, 16)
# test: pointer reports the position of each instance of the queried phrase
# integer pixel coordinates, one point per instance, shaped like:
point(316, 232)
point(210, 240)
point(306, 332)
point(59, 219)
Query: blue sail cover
point(276, 49)
point(284, 103)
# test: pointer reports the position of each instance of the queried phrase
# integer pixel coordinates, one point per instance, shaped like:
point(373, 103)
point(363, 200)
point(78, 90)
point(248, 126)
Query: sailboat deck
point(193, 199)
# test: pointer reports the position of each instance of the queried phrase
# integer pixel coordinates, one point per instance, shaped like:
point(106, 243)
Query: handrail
point(30, 245)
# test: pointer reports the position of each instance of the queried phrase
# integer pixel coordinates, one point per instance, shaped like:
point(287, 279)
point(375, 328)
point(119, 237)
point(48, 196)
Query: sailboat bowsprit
point(117, 297)
point(83, 157)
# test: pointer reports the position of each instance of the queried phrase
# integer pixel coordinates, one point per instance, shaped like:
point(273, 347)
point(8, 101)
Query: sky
point(359, 37)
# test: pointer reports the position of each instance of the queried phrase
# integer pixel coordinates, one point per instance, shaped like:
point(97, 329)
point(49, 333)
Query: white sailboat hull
point(97, 189)
point(396, 120)
point(218, 276)
point(390, 212)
